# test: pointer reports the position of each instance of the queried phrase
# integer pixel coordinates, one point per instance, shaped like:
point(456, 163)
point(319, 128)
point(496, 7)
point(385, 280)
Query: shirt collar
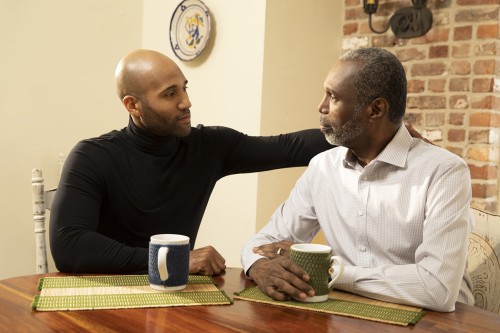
point(394, 153)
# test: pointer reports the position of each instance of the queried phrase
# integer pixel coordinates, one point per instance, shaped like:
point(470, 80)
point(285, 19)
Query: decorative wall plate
point(189, 29)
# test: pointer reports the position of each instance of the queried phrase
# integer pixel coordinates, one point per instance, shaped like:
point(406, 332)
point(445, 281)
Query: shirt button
point(362, 248)
point(360, 212)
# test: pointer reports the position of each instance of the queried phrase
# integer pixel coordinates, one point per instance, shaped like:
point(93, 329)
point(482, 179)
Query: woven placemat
point(121, 292)
point(345, 304)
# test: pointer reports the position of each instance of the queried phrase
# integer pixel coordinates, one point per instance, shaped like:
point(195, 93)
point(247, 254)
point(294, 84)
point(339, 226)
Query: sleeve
point(434, 280)
point(75, 242)
point(261, 153)
point(294, 220)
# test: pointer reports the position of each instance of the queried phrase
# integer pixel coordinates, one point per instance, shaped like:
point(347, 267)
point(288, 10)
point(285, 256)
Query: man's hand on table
point(280, 278)
point(273, 250)
point(206, 261)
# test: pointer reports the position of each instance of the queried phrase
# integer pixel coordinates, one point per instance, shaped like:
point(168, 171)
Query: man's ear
point(132, 104)
point(378, 109)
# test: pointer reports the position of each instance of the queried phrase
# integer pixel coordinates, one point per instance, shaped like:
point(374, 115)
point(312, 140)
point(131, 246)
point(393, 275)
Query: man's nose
point(185, 102)
point(324, 107)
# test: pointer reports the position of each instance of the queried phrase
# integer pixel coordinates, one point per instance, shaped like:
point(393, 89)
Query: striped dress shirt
point(401, 223)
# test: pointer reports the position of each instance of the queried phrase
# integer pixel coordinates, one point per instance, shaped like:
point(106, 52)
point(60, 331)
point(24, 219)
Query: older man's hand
point(206, 261)
point(273, 250)
point(281, 279)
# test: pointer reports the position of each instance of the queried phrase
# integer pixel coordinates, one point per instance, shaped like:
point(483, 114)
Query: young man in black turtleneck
point(154, 176)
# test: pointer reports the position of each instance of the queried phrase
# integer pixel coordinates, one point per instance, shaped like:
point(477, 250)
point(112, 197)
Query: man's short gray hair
point(381, 76)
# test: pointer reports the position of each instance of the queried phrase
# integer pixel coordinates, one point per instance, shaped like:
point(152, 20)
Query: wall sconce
point(408, 22)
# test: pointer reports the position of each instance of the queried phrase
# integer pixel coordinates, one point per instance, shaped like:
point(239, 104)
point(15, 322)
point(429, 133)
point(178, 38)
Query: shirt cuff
point(347, 279)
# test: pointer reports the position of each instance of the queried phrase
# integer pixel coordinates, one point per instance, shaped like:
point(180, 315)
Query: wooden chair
point(42, 200)
point(483, 260)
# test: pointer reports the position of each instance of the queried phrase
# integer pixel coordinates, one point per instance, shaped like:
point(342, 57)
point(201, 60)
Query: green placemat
point(121, 292)
point(340, 305)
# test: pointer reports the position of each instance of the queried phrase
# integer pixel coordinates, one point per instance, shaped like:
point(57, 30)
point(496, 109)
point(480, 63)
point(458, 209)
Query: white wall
point(225, 85)
point(57, 62)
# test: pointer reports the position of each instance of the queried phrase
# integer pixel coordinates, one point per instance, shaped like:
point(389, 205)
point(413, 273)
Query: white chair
point(42, 200)
point(483, 260)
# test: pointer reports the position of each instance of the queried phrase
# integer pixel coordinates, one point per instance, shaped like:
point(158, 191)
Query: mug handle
point(341, 263)
point(162, 263)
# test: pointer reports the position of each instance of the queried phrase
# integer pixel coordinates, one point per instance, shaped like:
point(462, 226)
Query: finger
point(293, 285)
point(275, 294)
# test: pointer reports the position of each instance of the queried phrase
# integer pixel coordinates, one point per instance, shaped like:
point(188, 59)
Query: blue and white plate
point(189, 29)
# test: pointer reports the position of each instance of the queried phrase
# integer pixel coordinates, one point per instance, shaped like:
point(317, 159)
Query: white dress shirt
point(401, 223)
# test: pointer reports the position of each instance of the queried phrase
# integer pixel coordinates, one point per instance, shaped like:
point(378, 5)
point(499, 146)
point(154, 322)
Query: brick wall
point(453, 79)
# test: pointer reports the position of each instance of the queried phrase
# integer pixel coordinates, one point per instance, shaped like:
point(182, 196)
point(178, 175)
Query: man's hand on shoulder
point(206, 261)
point(280, 278)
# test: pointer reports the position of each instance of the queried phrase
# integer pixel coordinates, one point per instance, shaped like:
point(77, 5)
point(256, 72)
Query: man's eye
point(185, 88)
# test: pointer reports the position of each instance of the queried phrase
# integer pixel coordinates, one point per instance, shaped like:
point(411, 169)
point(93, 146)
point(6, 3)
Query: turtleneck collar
point(148, 142)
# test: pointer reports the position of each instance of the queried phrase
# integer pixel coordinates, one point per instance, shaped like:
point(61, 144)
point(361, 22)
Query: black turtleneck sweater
point(118, 189)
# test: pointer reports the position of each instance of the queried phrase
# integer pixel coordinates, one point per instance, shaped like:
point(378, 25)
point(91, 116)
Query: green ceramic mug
point(317, 260)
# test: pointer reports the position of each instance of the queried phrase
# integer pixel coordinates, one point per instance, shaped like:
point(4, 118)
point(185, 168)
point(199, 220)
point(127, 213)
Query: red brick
point(476, 15)
point(457, 119)
point(487, 31)
point(461, 51)
point(426, 102)
point(487, 49)
point(482, 102)
point(440, 51)
point(484, 66)
point(456, 150)
point(459, 102)
point(456, 135)
point(495, 120)
point(354, 13)
point(416, 86)
point(434, 119)
point(480, 119)
point(460, 67)
point(427, 69)
point(410, 54)
point(484, 190)
point(462, 33)
point(433, 36)
point(350, 28)
point(482, 85)
point(459, 84)
point(437, 85)
point(479, 154)
point(479, 136)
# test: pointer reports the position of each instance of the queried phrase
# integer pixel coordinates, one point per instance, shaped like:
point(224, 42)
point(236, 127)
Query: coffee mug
point(317, 260)
point(168, 262)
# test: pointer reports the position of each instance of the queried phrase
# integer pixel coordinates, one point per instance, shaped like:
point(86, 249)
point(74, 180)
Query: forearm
point(90, 252)
point(404, 284)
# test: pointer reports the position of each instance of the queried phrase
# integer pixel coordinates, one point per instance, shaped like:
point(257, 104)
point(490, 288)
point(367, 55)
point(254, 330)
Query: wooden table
point(16, 315)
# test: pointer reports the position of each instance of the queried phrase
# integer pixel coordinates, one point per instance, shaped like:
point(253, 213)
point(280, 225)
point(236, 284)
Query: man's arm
point(75, 242)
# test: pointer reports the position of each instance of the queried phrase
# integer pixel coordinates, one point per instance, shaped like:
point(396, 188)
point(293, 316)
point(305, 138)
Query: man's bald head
point(140, 70)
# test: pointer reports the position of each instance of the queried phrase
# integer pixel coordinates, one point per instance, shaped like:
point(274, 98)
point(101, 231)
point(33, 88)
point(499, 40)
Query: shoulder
point(101, 145)
point(433, 154)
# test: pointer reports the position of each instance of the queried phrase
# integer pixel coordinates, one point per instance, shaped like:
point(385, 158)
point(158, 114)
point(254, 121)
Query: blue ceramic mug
point(168, 262)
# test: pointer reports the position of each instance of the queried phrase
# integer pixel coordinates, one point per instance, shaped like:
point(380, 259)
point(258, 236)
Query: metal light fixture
point(408, 22)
